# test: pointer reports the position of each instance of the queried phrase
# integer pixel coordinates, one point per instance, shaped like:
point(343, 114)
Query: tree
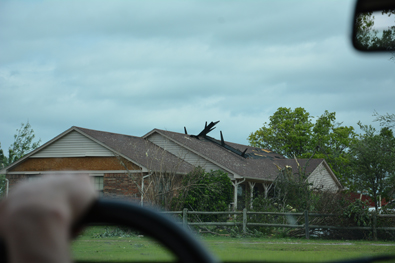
point(3, 158)
point(288, 133)
point(373, 162)
point(369, 37)
point(23, 144)
point(387, 120)
point(293, 134)
point(333, 141)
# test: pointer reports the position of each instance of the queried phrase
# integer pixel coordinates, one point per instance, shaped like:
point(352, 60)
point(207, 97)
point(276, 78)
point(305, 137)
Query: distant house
point(367, 199)
point(110, 157)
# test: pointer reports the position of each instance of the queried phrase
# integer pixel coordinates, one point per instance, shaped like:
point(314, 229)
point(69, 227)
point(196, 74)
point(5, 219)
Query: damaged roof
point(259, 164)
point(255, 163)
point(237, 159)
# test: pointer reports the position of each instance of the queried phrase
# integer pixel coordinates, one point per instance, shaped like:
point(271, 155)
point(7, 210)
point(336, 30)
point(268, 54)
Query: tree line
point(364, 163)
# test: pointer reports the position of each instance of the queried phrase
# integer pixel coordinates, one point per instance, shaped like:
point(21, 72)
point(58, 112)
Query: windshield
point(128, 67)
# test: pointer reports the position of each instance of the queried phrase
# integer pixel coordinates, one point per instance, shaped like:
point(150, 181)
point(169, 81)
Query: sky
point(131, 66)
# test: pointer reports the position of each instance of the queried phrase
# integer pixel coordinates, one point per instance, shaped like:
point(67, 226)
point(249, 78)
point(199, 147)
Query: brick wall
point(114, 185)
point(121, 186)
point(73, 164)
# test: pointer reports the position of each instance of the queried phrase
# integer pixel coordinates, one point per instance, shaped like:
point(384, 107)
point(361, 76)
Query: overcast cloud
point(131, 66)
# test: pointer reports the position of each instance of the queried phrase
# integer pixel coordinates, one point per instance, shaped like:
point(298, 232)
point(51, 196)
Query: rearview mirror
point(374, 25)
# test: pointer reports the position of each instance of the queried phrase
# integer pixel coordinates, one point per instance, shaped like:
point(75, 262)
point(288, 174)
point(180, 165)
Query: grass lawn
point(227, 249)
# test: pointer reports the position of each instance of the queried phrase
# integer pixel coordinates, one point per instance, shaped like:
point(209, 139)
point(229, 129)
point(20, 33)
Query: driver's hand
point(36, 218)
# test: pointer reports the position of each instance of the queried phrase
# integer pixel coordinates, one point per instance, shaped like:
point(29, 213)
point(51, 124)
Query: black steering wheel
point(163, 229)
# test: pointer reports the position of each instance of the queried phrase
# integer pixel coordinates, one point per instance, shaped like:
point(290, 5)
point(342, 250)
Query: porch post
point(252, 184)
point(236, 184)
point(235, 196)
point(266, 187)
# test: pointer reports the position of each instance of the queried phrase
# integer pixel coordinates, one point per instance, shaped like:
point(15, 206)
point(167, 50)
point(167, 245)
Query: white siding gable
point(321, 178)
point(183, 153)
point(73, 144)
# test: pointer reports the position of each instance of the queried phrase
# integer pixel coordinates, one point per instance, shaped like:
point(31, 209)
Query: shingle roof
point(259, 163)
point(142, 151)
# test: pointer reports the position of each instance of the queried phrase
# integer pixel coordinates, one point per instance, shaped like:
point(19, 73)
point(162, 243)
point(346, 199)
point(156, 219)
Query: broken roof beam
point(207, 129)
point(222, 139)
point(228, 147)
point(244, 153)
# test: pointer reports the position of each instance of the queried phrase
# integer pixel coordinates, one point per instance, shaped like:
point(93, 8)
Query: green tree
point(23, 144)
point(293, 134)
point(3, 158)
point(332, 142)
point(373, 162)
point(369, 37)
point(288, 132)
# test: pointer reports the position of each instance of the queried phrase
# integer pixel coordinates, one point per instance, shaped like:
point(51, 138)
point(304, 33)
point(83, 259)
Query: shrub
point(205, 191)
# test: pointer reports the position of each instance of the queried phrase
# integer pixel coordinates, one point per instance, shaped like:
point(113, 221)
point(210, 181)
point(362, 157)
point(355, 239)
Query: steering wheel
point(161, 228)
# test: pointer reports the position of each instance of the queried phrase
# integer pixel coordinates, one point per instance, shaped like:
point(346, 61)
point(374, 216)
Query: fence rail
point(244, 223)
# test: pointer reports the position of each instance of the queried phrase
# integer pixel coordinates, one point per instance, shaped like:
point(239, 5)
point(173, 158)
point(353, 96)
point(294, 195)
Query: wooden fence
point(244, 223)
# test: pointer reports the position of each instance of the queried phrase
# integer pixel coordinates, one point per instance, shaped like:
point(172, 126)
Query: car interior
point(179, 241)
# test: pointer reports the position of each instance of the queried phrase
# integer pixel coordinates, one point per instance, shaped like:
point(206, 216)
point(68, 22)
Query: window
point(98, 183)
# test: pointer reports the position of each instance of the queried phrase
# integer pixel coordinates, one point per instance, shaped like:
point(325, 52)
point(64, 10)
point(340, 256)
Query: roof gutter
point(7, 187)
point(257, 179)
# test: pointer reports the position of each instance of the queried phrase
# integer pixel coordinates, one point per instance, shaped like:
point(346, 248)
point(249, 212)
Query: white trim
point(142, 188)
point(236, 176)
point(24, 172)
point(256, 179)
point(79, 171)
point(333, 174)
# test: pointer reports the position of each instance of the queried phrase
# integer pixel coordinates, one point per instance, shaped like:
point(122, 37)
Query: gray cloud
point(130, 66)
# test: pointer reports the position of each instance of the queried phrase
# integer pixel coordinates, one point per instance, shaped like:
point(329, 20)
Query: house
point(364, 197)
point(121, 165)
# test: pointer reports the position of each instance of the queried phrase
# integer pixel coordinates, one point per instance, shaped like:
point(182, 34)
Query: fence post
point(374, 225)
point(306, 224)
point(244, 220)
point(185, 217)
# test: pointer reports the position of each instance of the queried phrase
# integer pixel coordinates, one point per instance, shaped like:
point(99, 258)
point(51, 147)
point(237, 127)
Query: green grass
point(227, 249)
point(88, 247)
